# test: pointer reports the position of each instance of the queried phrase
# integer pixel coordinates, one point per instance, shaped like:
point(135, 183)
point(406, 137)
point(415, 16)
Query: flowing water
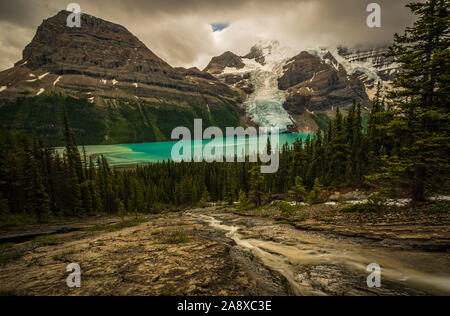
point(402, 271)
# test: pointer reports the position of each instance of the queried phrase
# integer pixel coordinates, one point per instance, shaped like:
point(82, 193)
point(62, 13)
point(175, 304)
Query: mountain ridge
point(314, 82)
point(105, 65)
point(129, 92)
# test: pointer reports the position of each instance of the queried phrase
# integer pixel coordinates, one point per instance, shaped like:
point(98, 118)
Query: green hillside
point(114, 122)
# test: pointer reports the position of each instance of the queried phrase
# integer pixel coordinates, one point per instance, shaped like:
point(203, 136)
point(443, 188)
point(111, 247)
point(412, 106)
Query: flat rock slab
point(24, 233)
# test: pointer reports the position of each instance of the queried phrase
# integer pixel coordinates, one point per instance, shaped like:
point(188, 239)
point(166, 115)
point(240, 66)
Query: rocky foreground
point(214, 251)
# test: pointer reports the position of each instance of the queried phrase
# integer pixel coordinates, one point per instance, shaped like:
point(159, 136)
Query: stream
point(319, 264)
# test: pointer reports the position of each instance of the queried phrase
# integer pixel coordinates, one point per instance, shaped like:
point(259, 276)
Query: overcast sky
point(180, 31)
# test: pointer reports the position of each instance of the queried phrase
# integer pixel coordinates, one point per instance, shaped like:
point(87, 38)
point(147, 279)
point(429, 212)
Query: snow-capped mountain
point(371, 65)
point(290, 90)
point(120, 91)
point(264, 104)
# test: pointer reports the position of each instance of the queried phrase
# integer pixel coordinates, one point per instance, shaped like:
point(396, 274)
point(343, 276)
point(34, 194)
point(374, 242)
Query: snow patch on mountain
point(370, 64)
point(351, 65)
point(258, 74)
point(56, 81)
point(43, 76)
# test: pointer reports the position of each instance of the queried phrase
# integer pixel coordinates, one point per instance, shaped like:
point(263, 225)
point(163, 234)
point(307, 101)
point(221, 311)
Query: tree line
point(36, 180)
point(404, 149)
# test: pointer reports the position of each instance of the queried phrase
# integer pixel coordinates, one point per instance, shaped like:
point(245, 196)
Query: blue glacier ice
point(265, 105)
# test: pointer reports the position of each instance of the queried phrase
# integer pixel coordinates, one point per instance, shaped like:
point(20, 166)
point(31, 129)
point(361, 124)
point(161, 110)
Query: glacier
point(265, 105)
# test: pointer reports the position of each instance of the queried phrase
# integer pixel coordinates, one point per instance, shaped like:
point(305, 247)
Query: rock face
point(319, 84)
point(227, 59)
point(105, 64)
point(128, 93)
point(104, 54)
point(314, 82)
point(307, 84)
point(195, 72)
point(257, 80)
point(97, 49)
point(369, 65)
point(257, 54)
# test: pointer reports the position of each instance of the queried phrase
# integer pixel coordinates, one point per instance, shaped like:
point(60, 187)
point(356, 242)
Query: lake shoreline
point(131, 155)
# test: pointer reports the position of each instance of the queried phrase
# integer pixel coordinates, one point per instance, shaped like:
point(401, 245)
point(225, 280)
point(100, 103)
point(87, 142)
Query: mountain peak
point(99, 59)
point(98, 48)
point(131, 91)
point(227, 59)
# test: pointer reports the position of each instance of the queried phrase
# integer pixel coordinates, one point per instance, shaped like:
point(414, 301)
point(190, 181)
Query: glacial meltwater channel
point(132, 154)
point(339, 263)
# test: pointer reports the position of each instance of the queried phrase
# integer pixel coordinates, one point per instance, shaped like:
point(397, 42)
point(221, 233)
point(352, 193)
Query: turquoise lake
point(131, 154)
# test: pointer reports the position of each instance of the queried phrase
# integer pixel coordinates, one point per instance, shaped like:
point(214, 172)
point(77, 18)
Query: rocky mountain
point(117, 90)
point(317, 84)
point(227, 59)
point(369, 65)
point(256, 76)
point(299, 91)
point(103, 73)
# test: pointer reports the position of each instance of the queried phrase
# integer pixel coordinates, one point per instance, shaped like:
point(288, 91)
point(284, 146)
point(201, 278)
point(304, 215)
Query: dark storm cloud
point(21, 12)
point(180, 31)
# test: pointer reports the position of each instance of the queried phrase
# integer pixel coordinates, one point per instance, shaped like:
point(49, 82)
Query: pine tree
point(244, 203)
point(74, 171)
point(315, 194)
point(338, 151)
point(421, 106)
point(4, 207)
point(86, 196)
point(73, 155)
point(357, 148)
point(256, 193)
point(36, 198)
point(298, 192)
point(205, 197)
point(374, 135)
